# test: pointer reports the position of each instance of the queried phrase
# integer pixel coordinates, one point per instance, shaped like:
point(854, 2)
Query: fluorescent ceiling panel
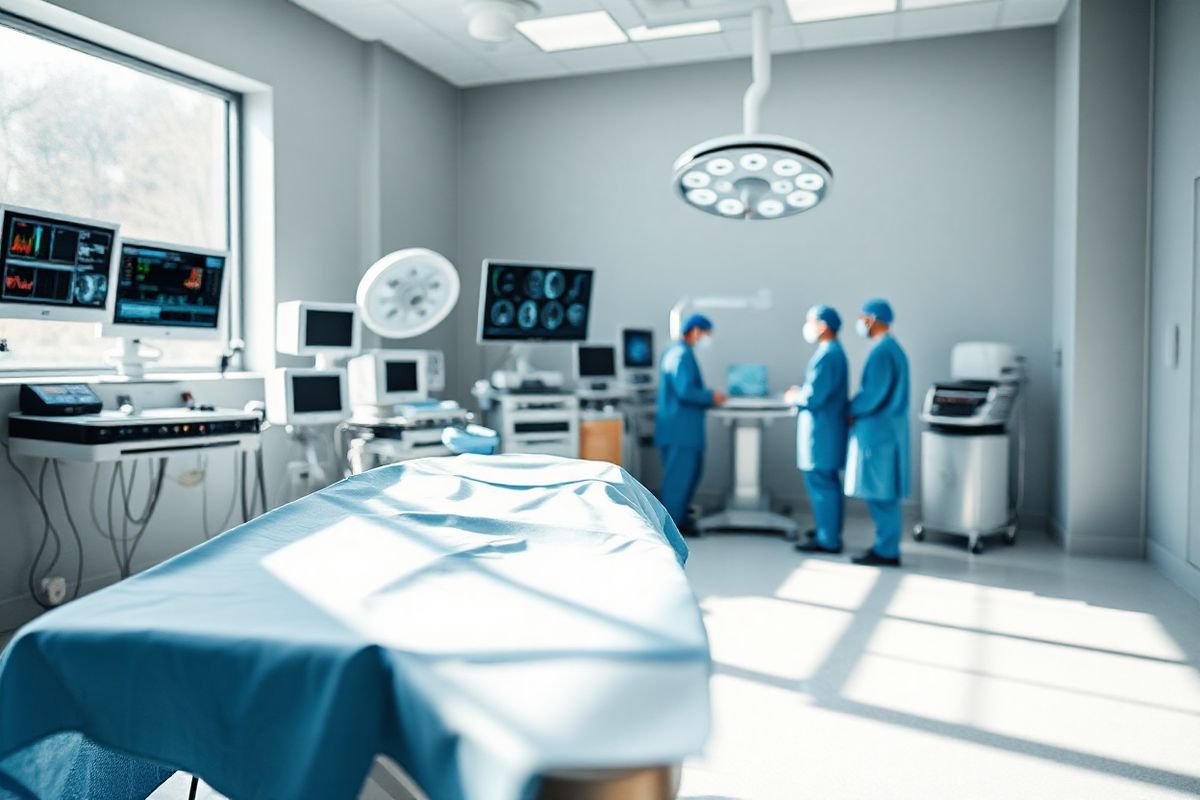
point(591, 29)
point(644, 34)
point(818, 10)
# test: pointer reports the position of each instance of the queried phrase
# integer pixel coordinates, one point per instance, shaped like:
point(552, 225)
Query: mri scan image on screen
point(528, 302)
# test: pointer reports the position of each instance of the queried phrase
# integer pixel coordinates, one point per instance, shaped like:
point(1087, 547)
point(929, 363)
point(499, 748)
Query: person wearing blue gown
point(821, 428)
point(683, 402)
point(877, 463)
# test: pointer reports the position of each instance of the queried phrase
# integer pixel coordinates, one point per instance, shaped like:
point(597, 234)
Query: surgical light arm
point(759, 301)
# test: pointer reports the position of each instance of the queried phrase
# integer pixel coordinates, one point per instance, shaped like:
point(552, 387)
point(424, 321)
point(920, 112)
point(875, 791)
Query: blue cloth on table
point(478, 619)
point(474, 439)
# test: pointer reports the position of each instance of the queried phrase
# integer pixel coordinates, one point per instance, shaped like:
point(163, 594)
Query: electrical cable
point(262, 482)
point(53, 531)
point(151, 504)
point(45, 519)
point(74, 530)
point(112, 529)
point(242, 488)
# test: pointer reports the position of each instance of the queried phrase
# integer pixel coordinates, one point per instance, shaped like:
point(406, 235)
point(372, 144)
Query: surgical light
point(763, 176)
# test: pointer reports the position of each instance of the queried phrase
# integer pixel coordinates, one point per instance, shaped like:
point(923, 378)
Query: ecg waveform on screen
point(25, 245)
point(15, 283)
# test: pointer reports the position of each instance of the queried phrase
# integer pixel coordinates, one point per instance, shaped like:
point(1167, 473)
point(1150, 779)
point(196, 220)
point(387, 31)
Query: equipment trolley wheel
point(977, 546)
point(1010, 535)
point(918, 533)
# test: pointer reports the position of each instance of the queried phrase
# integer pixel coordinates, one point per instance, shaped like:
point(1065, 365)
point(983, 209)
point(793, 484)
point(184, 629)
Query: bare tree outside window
point(90, 137)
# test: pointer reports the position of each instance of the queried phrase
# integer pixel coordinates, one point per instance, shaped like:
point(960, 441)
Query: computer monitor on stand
point(54, 267)
point(521, 304)
point(637, 357)
point(595, 366)
point(164, 291)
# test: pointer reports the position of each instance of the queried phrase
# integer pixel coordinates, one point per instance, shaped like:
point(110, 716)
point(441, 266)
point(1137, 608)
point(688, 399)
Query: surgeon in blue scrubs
point(683, 401)
point(877, 465)
point(821, 428)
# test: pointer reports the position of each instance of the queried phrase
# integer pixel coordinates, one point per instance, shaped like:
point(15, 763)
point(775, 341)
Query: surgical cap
point(879, 308)
point(697, 321)
point(828, 315)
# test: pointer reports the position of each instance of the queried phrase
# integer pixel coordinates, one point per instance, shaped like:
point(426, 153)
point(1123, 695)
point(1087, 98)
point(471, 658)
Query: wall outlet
point(54, 590)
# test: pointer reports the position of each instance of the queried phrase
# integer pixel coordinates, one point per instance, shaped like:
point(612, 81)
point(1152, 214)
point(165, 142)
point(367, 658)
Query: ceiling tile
point(597, 59)
point(845, 32)
point(690, 48)
point(784, 38)
point(946, 20)
point(1031, 12)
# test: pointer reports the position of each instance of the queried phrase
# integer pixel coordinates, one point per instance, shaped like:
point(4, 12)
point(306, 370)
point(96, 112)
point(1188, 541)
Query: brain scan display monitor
point(54, 267)
point(638, 348)
point(526, 302)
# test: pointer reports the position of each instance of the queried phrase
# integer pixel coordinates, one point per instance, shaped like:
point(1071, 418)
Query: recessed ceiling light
point(643, 34)
point(816, 10)
point(573, 31)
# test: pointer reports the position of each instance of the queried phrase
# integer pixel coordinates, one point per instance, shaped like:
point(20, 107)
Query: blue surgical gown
point(682, 400)
point(821, 425)
point(877, 465)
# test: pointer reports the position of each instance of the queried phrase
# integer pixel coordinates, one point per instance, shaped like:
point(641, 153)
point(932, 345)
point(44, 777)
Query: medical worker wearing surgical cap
point(683, 401)
point(877, 463)
point(821, 428)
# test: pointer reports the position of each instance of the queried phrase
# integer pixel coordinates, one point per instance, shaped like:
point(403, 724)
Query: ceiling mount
point(493, 21)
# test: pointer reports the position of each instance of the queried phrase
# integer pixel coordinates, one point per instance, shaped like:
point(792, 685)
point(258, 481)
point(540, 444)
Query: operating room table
point(494, 625)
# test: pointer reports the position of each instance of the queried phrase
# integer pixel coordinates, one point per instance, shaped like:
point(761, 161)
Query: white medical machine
point(164, 291)
point(973, 448)
point(521, 305)
point(324, 331)
point(394, 392)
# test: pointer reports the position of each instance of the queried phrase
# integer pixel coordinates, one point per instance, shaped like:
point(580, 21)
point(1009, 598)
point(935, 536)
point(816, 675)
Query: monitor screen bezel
point(489, 264)
point(52, 311)
point(131, 330)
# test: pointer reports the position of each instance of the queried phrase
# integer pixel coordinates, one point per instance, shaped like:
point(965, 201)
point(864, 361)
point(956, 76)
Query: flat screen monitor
point(387, 377)
point(304, 328)
point(748, 380)
point(304, 396)
point(595, 361)
point(54, 266)
point(637, 348)
point(167, 291)
point(522, 302)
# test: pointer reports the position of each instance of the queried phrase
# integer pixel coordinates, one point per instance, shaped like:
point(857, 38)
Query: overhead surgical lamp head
point(494, 20)
point(753, 175)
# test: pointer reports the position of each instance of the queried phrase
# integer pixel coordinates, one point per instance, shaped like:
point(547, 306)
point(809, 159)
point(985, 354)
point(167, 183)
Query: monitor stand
point(130, 359)
point(521, 375)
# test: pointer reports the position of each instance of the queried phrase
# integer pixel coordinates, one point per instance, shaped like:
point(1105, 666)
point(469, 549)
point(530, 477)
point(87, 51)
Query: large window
point(92, 134)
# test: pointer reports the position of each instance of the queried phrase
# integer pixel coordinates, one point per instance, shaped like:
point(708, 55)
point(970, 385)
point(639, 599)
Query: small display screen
point(329, 328)
point(534, 303)
point(597, 362)
point(168, 288)
point(66, 394)
point(638, 348)
point(401, 376)
point(51, 262)
point(748, 380)
point(313, 394)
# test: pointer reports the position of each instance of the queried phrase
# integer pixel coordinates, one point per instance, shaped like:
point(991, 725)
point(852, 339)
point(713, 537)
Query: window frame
point(234, 322)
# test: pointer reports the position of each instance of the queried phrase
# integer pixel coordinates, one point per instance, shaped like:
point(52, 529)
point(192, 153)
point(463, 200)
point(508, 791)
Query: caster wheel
point(1010, 538)
point(918, 533)
point(977, 548)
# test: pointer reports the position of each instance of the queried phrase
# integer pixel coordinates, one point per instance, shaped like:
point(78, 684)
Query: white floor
point(1017, 673)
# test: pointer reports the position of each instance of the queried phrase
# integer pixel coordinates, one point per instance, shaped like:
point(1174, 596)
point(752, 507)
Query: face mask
point(863, 328)
point(704, 342)
point(811, 333)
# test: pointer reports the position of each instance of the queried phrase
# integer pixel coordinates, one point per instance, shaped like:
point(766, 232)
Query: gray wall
point(1174, 405)
point(331, 215)
point(943, 152)
point(1103, 112)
